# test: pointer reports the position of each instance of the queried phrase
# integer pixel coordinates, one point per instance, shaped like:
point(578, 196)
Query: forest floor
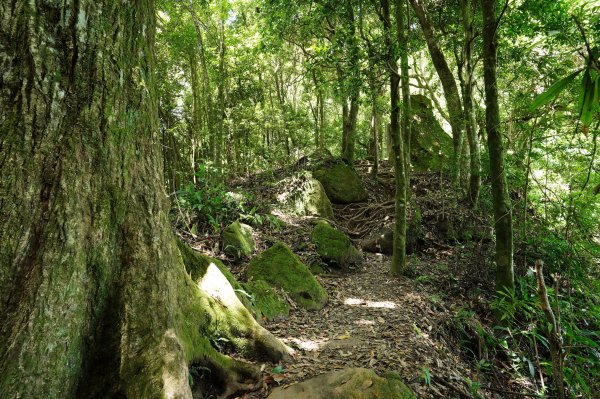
point(420, 326)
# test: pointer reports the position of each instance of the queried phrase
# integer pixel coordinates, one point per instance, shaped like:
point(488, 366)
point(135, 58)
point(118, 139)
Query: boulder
point(281, 268)
point(352, 383)
point(341, 182)
point(198, 264)
point(431, 146)
point(303, 195)
point(381, 242)
point(333, 246)
point(268, 303)
point(237, 241)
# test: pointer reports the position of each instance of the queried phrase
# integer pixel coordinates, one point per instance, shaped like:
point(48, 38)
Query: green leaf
point(553, 91)
point(588, 92)
point(277, 369)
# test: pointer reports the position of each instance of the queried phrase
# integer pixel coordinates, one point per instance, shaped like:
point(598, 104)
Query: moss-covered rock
point(269, 305)
point(333, 246)
point(303, 195)
point(354, 383)
point(237, 241)
point(341, 182)
point(279, 267)
point(431, 146)
point(197, 264)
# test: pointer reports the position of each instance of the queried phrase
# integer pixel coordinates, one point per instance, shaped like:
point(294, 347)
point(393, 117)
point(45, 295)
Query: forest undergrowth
point(438, 327)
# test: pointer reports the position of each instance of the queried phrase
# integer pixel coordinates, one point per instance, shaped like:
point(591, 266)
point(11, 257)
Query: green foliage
point(525, 328)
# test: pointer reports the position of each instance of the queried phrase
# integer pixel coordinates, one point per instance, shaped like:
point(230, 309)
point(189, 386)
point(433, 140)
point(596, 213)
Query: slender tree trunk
point(94, 297)
point(469, 111)
point(501, 201)
point(398, 265)
point(221, 96)
point(402, 27)
point(448, 85)
point(350, 83)
point(207, 86)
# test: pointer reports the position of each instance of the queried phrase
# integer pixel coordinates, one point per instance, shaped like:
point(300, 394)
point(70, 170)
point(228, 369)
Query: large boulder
point(237, 241)
point(303, 195)
point(341, 182)
point(268, 303)
point(281, 268)
point(333, 246)
point(353, 383)
point(431, 146)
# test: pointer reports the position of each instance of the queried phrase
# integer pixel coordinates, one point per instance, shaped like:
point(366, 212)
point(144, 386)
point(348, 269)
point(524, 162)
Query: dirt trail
point(374, 320)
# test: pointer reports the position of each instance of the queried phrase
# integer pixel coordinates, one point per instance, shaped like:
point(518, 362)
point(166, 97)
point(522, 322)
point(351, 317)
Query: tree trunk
point(501, 201)
point(207, 85)
point(448, 85)
point(469, 111)
point(94, 297)
point(399, 246)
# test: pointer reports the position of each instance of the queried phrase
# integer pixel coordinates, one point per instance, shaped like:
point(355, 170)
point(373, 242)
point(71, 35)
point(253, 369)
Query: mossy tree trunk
point(501, 201)
point(94, 297)
point(350, 83)
point(469, 110)
point(448, 85)
point(399, 246)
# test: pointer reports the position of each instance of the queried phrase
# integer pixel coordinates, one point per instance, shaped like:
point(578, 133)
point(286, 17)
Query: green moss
point(431, 146)
point(302, 195)
point(341, 182)
point(237, 241)
point(196, 265)
point(268, 304)
point(354, 383)
point(279, 267)
point(333, 246)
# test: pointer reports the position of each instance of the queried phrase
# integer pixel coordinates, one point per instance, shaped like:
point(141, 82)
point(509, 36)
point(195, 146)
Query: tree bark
point(501, 201)
point(469, 111)
point(398, 264)
point(95, 300)
point(448, 84)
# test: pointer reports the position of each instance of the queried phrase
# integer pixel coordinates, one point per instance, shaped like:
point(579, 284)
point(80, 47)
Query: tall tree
point(467, 76)
point(448, 84)
point(398, 265)
point(501, 200)
point(95, 300)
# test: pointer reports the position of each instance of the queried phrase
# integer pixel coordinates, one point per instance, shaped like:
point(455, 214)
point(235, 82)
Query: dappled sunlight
point(363, 322)
point(369, 304)
point(215, 284)
point(305, 344)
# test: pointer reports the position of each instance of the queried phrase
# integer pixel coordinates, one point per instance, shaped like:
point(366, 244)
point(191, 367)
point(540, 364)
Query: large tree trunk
point(94, 297)
point(448, 85)
point(501, 201)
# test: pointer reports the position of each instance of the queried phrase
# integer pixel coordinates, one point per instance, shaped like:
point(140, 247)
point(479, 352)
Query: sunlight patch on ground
point(308, 345)
point(369, 304)
point(363, 322)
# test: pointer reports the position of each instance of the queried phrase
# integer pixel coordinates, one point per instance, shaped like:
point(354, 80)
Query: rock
point(281, 268)
point(237, 241)
point(380, 243)
point(198, 264)
point(333, 246)
point(268, 304)
point(431, 146)
point(341, 182)
point(352, 383)
point(303, 195)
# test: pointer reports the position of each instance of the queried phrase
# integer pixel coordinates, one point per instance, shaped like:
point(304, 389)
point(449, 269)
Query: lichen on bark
point(95, 300)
